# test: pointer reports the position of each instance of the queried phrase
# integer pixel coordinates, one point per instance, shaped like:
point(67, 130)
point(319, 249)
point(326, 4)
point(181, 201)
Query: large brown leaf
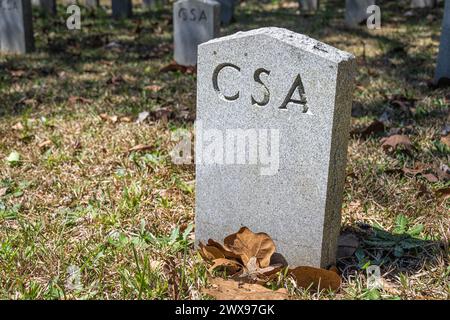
point(233, 290)
point(226, 253)
point(210, 253)
point(247, 244)
point(314, 278)
point(395, 141)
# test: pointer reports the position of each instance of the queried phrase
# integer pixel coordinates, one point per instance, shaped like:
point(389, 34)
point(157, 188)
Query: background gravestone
point(122, 9)
point(16, 26)
point(92, 3)
point(308, 5)
point(443, 64)
point(195, 22)
point(274, 79)
point(423, 3)
point(47, 6)
point(226, 11)
point(356, 11)
point(154, 4)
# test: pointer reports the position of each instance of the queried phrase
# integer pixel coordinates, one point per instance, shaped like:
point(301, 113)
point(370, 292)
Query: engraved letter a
point(297, 85)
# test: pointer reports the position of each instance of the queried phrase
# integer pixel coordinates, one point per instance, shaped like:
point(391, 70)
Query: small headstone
point(16, 26)
point(309, 5)
point(226, 11)
point(423, 3)
point(443, 64)
point(47, 6)
point(195, 22)
point(122, 9)
point(356, 11)
point(273, 115)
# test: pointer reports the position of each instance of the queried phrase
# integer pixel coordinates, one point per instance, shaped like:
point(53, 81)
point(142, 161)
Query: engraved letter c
point(216, 83)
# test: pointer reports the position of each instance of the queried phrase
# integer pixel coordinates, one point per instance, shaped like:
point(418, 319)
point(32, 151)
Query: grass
point(83, 218)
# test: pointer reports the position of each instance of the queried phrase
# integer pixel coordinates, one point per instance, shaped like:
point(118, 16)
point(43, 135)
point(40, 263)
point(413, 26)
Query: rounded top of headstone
point(209, 2)
point(290, 38)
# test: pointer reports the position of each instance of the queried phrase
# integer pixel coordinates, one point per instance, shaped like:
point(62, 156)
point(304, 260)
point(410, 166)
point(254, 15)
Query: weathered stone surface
point(122, 9)
point(195, 22)
point(356, 11)
point(443, 64)
point(423, 3)
point(226, 11)
point(290, 96)
point(47, 6)
point(308, 5)
point(16, 26)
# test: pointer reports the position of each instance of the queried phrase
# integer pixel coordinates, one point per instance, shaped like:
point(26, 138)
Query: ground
point(82, 216)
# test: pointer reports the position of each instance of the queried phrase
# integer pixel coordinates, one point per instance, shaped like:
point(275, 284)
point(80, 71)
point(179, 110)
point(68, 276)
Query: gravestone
point(195, 22)
point(273, 115)
point(122, 9)
point(16, 26)
point(47, 6)
point(92, 3)
point(356, 11)
point(308, 5)
point(423, 3)
point(226, 11)
point(443, 64)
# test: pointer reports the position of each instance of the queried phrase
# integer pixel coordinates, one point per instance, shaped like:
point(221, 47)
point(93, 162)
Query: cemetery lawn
point(84, 217)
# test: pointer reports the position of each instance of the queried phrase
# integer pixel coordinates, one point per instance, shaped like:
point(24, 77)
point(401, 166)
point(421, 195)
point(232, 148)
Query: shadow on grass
point(395, 253)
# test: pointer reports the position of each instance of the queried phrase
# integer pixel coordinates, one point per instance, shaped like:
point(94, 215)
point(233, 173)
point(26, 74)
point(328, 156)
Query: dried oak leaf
point(446, 140)
point(230, 266)
point(314, 278)
point(395, 141)
point(228, 254)
point(210, 253)
point(222, 289)
point(443, 194)
point(252, 273)
point(140, 147)
point(247, 244)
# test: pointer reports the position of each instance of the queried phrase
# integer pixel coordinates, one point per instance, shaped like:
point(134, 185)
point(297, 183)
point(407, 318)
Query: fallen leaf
point(44, 144)
point(76, 99)
point(375, 127)
point(247, 244)
point(395, 141)
point(314, 278)
point(446, 140)
point(233, 290)
point(125, 119)
point(443, 194)
point(230, 266)
point(430, 177)
point(252, 273)
point(173, 67)
point(418, 169)
point(17, 73)
point(347, 245)
point(210, 253)
point(225, 252)
point(108, 118)
point(3, 191)
point(153, 88)
point(140, 147)
point(18, 126)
